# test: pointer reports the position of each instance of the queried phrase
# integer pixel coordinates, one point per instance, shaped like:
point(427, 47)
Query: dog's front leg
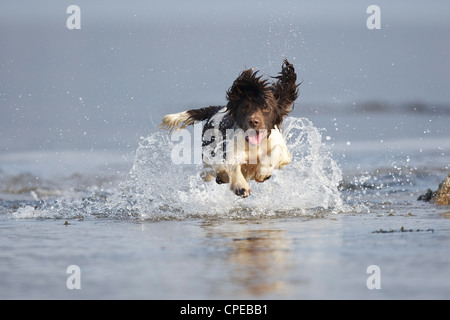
point(238, 183)
point(266, 167)
point(279, 157)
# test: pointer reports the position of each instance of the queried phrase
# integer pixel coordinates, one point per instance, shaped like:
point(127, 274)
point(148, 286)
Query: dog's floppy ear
point(285, 90)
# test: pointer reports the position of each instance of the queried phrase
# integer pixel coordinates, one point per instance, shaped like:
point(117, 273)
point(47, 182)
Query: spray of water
point(158, 189)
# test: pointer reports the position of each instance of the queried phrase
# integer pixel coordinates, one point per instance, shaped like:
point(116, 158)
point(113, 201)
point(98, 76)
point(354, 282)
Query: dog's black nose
point(253, 122)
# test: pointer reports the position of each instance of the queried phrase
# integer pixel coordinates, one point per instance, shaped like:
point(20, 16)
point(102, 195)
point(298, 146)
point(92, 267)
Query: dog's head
point(257, 105)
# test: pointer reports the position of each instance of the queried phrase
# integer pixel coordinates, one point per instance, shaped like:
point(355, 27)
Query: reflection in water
point(446, 214)
point(258, 260)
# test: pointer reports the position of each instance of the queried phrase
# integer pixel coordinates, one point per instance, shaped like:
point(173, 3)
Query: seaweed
point(402, 229)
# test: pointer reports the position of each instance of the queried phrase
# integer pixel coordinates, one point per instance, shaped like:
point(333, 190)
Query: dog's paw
point(263, 173)
point(222, 177)
point(241, 190)
point(261, 178)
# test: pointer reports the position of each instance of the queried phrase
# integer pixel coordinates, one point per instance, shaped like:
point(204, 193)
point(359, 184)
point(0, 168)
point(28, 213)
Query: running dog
point(242, 141)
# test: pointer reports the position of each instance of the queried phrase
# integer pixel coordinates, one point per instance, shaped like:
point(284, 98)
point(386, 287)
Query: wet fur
point(255, 111)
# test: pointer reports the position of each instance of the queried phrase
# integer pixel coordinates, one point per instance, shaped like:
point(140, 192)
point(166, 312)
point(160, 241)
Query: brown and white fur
point(242, 141)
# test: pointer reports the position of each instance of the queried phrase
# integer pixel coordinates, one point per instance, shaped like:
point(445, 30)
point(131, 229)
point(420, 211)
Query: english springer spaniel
point(242, 141)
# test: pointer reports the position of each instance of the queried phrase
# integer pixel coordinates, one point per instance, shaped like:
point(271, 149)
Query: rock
point(427, 196)
point(441, 196)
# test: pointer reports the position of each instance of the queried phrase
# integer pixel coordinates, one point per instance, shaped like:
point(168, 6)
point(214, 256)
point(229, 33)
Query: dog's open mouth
point(255, 137)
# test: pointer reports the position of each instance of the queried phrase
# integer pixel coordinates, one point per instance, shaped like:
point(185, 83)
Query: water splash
point(158, 189)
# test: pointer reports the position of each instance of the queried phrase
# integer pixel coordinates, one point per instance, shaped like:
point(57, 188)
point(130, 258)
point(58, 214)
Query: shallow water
point(141, 227)
point(314, 256)
point(78, 186)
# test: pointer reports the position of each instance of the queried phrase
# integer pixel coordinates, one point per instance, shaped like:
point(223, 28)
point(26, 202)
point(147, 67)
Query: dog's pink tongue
point(256, 138)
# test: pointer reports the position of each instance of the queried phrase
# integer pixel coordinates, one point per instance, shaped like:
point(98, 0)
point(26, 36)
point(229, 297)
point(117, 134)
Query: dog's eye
point(266, 109)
